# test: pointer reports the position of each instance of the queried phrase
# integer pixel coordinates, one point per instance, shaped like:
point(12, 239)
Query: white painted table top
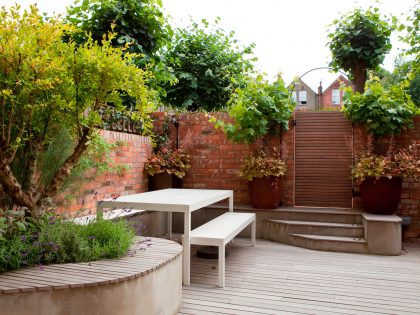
point(172, 199)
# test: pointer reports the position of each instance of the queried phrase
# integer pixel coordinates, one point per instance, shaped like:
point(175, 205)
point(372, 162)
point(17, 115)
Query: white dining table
point(171, 200)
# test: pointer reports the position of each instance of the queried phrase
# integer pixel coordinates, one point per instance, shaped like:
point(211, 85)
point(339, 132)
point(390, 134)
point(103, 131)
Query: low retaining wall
point(147, 281)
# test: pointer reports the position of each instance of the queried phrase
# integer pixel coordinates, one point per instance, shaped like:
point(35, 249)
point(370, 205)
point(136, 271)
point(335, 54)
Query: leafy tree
point(359, 42)
point(140, 27)
point(383, 111)
point(412, 38)
point(404, 74)
point(47, 85)
point(208, 65)
point(138, 23)
point(258, 109)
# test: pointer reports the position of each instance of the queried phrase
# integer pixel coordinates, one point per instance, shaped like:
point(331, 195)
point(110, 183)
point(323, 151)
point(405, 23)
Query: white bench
point(220, 231)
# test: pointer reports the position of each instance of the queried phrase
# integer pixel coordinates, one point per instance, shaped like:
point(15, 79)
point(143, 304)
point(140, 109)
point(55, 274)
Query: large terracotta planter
point(163, 181)
point(382, 195)
point(266, 192)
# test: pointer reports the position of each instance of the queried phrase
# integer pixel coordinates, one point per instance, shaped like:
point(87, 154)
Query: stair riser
point(279, 233)
point(323, 230)
point(319, 217)
point(271, 229)
point(331, 246)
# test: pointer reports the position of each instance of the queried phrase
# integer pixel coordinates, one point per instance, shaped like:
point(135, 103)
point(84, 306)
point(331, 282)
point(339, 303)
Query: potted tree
point(258, 110)
point(383, 113)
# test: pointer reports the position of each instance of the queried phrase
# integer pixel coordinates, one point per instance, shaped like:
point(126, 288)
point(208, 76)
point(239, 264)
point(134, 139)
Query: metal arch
point(319, 68)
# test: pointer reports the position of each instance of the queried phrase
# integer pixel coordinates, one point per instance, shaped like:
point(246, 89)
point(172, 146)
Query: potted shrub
point(258, 110)
point(264, 173)
point(380, 178)
point(166, 167)
point(383, 113)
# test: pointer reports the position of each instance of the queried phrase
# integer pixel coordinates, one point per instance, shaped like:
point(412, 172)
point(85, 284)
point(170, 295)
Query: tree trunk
point(13, 189)
point(63, 172)
point(359, 76)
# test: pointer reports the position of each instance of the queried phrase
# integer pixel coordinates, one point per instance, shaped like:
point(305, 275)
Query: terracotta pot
point(163, 181)
point(382, 195)
point(266, 192)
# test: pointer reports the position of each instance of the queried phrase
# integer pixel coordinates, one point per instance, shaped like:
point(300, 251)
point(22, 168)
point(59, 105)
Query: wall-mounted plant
point(383, 112)
point(258, 109)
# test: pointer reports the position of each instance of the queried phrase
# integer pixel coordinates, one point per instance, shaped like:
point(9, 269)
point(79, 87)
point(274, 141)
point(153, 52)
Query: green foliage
point(405, 163)
point(168, 160)
point(208, 65)
point(138, 23)
point(48, 85)
point(140, 27)
point(414, 89)
point(360, 39)
point(262, 165)
point(53, 240)
point(412, 35)
point(258, 109)
point(384, 112)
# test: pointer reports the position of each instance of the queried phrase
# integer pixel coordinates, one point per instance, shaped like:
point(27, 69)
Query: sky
point(290, 35)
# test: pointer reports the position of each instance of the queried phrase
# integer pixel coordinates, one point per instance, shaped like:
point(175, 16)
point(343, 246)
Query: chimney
point(319, 96)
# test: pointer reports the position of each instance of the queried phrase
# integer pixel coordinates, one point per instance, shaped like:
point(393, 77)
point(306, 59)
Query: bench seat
point(220, 231)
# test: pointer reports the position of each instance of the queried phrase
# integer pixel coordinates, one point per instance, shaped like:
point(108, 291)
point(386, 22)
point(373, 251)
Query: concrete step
point(334, 215)
point(330, 243)
point(317, 228)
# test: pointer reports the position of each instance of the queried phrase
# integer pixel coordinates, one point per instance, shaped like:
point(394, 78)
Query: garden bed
point(137, 284)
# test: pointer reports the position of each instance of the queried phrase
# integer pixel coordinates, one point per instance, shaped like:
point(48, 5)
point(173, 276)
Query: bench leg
point(253, 232)
point(221, 266)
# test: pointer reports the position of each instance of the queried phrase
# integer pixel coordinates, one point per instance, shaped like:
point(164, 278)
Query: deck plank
point(273, 278)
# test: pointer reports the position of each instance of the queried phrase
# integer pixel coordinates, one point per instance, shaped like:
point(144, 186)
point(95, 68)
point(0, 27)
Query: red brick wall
point(133, 153)
point(410, 198)
point(216, 161)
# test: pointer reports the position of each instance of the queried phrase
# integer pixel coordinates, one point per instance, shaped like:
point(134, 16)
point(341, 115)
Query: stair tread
point(317, 223)
point(245, 207)
point(332, 238)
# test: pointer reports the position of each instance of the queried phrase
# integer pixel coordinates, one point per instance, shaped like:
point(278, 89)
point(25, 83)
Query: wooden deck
point(272, 278)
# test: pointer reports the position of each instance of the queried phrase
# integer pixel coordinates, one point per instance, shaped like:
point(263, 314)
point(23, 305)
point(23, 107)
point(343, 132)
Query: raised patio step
point(330, 243)
point(334, 215)
point(315, 228)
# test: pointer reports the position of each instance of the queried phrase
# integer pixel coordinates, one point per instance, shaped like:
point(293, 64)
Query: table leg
point(169, 225)
point(186, 255)
point(231, 203)
point(253, 232)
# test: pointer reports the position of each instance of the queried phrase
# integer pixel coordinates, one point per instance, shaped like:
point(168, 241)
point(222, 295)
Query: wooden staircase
point(337, 230)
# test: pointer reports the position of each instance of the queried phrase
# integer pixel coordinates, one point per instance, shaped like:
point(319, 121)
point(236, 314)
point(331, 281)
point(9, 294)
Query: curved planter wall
point(147, 281)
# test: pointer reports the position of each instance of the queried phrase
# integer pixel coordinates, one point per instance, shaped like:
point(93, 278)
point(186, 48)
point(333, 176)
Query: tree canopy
point(48, 85)
point(258, 109)
point(359, 42)
point(208, 65)
point(140, 27)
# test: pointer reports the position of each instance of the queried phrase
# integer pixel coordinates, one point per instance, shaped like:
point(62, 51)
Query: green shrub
point(54, 240)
